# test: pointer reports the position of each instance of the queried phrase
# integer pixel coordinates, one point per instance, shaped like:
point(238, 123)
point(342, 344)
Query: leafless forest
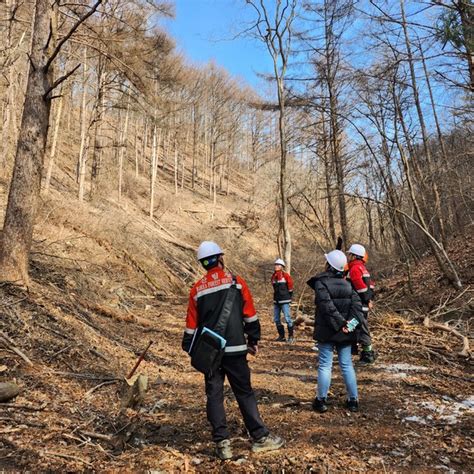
point(118, 155)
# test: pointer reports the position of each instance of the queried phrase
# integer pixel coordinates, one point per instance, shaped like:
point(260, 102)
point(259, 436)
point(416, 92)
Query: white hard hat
point(336, 259)
point(357, 249)
point(279, 261)
point(208, 249)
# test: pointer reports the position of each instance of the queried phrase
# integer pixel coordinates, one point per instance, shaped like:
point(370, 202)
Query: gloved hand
point(252, 348)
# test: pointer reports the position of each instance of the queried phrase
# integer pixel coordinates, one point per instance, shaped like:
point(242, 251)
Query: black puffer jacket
point(336, 303)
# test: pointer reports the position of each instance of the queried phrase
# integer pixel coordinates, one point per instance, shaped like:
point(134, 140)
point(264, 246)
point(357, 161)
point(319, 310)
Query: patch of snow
point(449, 411)
point(469, 402)
point(416, 419)
point(402, 367)
point(398, 375)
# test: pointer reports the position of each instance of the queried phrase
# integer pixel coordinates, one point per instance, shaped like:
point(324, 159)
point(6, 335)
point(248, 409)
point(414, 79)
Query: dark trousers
point(238, 374)
point(364, 333)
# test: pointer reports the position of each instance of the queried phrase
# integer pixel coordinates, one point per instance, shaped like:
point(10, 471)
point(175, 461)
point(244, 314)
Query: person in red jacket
point(282, 295)
point(362, 283)
point(242, 335)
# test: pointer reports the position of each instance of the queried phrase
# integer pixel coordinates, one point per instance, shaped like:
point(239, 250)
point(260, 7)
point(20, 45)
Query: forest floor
point(106, 280)
point(416, 414)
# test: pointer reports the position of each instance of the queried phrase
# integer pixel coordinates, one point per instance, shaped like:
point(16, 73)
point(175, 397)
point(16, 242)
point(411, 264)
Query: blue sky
point(203, 30)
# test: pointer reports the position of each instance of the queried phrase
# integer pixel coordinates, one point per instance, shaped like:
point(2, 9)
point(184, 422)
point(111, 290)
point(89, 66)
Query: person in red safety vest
point(359, 277)
point(242, 334)
point(282, 294)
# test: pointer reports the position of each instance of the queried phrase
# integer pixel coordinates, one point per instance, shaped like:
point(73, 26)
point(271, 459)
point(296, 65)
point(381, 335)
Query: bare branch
point(59, 81)
point(81, 20)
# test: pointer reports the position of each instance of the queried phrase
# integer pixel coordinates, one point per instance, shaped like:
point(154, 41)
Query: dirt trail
point(413, 416)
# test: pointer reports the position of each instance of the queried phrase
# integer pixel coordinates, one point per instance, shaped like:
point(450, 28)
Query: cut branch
point(466, 351)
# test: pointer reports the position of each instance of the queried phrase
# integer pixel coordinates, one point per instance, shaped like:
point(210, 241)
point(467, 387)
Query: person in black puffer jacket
point(338, 312)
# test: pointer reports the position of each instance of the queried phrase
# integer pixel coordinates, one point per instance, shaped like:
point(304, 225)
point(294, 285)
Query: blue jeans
point(325, 369)
point(277, 309)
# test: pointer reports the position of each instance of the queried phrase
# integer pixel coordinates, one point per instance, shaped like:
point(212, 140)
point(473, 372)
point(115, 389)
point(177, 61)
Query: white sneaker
point(315, 348)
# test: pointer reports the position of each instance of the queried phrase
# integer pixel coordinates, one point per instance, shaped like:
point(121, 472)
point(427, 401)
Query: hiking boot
point(224, 450)
point(267, 443)
point(291, 338)
point(352, 404)
point(319, 405)
point(281, 333)
point(367, 357)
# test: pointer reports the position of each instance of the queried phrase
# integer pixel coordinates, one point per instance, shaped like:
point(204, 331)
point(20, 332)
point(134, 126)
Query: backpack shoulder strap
point(224, 316)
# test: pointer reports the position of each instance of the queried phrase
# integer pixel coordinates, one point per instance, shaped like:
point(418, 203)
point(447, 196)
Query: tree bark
point(26, 181)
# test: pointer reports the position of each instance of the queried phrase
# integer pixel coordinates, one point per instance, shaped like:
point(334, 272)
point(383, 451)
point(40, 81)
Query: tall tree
point(27, 173)
point(274, 26)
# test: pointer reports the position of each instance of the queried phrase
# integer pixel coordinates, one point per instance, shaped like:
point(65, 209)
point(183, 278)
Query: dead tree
point(275, 29)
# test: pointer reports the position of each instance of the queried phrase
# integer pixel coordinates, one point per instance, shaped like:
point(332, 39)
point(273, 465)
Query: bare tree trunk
point(450, 205)
point(283, 180)
point(154, 169)
point(136, 148)
point(183, 160)
point(123, 147)
point(211, 167)
point(54, 143)
point(144, 141)
point(195, 140)
point(70, 107)
point(429, 161)
point(327, 179)
point(9, 126)
point(276, 32)
point(335, 133)
point(175, 166)
point(438, 250)
point(26, 181)
point(98, 143)
point(81, 169)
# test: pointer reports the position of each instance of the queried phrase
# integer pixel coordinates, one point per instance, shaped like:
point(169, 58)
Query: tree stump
point(133, 391)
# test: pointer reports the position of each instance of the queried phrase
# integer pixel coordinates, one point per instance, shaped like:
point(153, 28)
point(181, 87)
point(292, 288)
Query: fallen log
point(466, 351)
point(304, 319)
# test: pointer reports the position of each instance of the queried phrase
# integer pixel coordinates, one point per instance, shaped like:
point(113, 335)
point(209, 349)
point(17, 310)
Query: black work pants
point(238, 374)
point(364, 333)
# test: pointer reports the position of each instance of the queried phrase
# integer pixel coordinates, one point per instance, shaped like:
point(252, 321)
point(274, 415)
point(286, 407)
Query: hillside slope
point(106, 280)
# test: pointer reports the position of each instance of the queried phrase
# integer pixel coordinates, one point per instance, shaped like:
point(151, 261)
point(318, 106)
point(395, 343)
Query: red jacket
point(360, 279)
point(207, 297)
point(282, 287)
